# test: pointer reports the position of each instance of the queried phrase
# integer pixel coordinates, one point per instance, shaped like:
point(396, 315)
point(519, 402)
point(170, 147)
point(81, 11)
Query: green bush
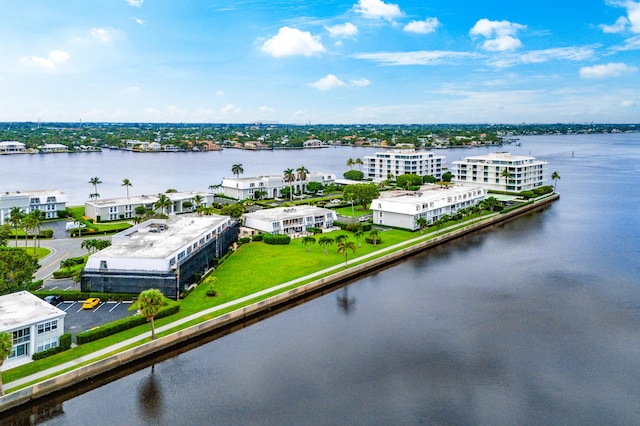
point(121, 325)
point(353, 175)
point(353, 227)
point(46, 353)
point(63, 273)
point(65, 341)
point(82, 295)
point(314, 230)
point(244, 240)
point(367, 226)
point(258, 237)
point(371, 240)
point(277, 239)
point(35, 285)
point(527, 194)
point(341, 225)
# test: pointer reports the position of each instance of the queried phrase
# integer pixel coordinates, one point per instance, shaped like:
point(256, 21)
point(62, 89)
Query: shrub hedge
point(64, 343)
point(277, 239)
point(82, 295)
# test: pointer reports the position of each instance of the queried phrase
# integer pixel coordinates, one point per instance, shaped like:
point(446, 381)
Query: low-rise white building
point(124, 208)
point(290, 220)
point(159, 253)
point(34, 325)
point(402, 161)
point(401, 209)
point(12, 147)
point(49, 202)
point(53, 147)
point(246, 187)
point(487, 171)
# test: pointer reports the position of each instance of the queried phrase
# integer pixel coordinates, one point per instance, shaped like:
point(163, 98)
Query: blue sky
point(330, 61)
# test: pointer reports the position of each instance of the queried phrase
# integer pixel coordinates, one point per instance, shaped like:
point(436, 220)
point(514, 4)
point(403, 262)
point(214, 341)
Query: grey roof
point(147, 240)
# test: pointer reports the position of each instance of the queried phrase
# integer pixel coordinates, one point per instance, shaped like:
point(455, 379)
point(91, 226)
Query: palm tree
point(375, 234)
point(506, 175)
point(290, 177)
point(6, 344)
point(308, 241)
point(34, 221)
point(422, 223)
point(127, 183)
point(237, 170)
point(95, 181)
point(358, 162)
point(325, 241)
point(556, 177)
point(150, 302)
point(359, 234)
point(67, 264)
point(162, 203)
point(343, 248)
point(198, 199)
point(302, 174)
point(15, 217)
point(350, 163)
point(215, 187)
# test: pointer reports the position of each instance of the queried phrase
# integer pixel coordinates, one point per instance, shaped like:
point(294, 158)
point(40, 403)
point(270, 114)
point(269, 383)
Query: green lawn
point(357, 211)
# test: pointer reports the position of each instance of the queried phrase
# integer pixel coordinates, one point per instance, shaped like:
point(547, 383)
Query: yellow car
point(91, 303)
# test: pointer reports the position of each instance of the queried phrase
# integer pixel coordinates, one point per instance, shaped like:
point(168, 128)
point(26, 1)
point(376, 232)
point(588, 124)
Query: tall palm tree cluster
point(290, 176)
point(30, 222)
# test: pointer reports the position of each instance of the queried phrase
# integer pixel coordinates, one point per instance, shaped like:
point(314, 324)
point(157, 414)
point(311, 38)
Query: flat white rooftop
point(428, 193)
point(159, 238)
point(23, 307)
point(283, 213)
point(146, 199)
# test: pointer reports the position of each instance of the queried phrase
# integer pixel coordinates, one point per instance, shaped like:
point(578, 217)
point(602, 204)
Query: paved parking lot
point(78, 319)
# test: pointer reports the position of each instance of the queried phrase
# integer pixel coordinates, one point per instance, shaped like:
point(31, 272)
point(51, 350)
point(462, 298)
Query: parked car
point(364, 218)
point(54, 299)
point(91, 303)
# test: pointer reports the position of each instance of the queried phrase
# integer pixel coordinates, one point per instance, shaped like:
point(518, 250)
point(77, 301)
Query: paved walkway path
point(95, 355)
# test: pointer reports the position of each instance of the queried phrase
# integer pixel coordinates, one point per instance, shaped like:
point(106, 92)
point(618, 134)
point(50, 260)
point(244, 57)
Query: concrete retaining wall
point(111, 363)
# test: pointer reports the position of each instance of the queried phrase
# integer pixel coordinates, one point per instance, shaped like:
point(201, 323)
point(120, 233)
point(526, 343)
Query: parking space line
point(115, 306)
point(98, 307)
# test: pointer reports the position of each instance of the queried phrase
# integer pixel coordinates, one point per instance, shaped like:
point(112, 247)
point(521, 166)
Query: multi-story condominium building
point(12, 147)
point(398, 162)
point(124, 208)
point(34, 324)
point(488, 171)
point(246, 187)
point(402, 208)
point(160, 253)
point(49, 202)
point(290, 220)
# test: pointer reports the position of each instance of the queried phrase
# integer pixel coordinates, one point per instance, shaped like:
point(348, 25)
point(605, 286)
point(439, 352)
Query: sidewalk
point(96, 355)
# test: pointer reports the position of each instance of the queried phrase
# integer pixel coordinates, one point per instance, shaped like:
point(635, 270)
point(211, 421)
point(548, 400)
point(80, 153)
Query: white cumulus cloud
point(500, 35)
point(328, 82)
point(619, 26)
point(292, 42)
point(360, 82)
point(344, 30)
point(377, 9)
point(103, 35)
point(135, 3)
point(139, 21)
point(51, 62)
point(427, 26)
point(612, 69)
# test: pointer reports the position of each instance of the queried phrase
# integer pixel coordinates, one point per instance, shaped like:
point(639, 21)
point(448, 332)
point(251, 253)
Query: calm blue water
point(533, 322)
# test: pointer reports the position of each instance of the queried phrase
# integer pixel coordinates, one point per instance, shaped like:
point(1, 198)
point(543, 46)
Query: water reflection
point(150, 397)
point(347, 304)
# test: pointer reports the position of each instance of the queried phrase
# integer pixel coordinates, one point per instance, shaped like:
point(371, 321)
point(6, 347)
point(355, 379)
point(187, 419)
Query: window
point(46, 327)
point(47, 344)
point(21, 339)
point(103, 264)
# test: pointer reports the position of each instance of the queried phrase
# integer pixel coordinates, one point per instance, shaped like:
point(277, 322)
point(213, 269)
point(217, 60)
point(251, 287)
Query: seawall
point(247, 313)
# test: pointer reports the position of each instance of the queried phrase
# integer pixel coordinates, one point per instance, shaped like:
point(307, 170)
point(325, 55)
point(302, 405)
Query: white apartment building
point(401, 209)
point(487, 171)
point(49, 202)
point(159, 253)
point(246, 187)
point(12, 147)
point(290, 220)
point(402, 161)
point(34, 324)
point(125, 208)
